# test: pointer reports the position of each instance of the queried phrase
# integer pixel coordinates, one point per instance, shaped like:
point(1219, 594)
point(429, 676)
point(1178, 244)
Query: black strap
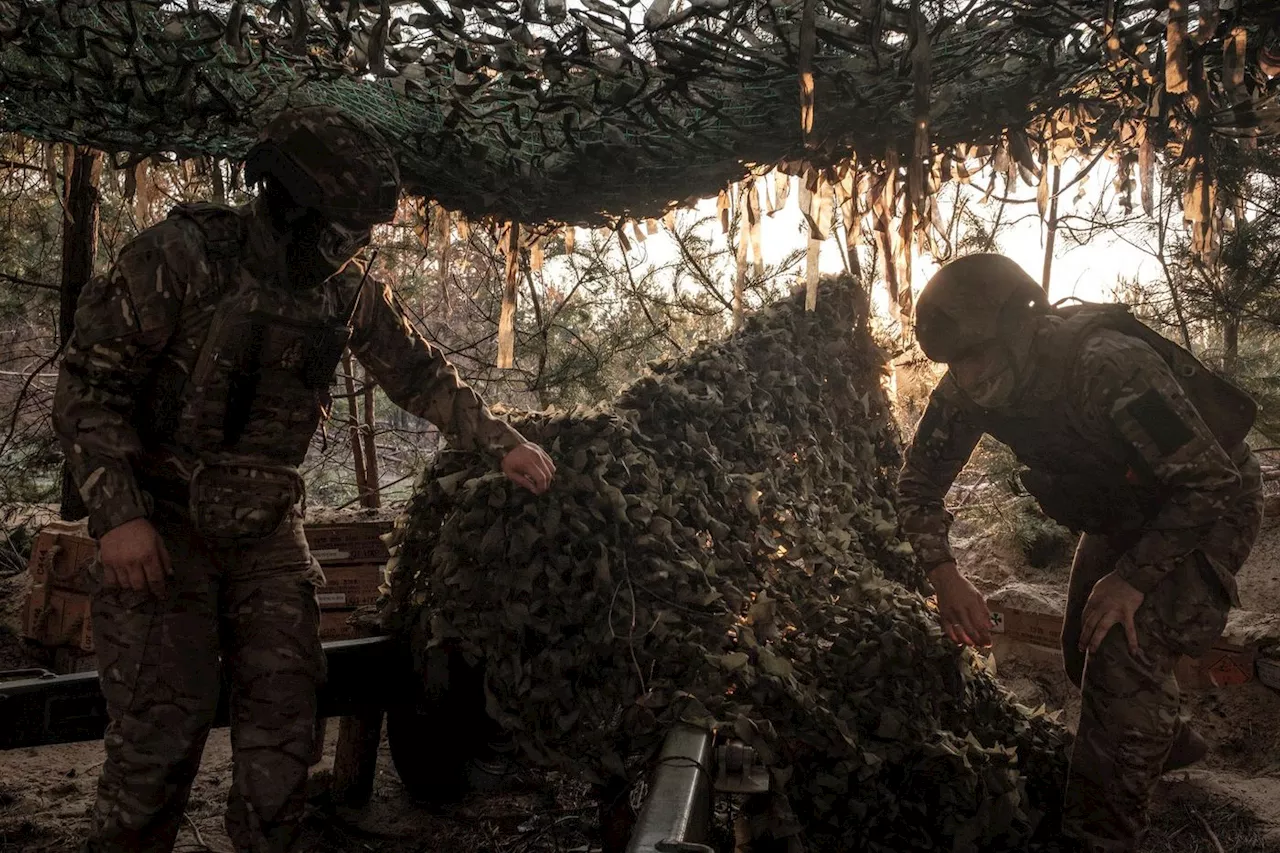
point(244, 387)
point(350, 311)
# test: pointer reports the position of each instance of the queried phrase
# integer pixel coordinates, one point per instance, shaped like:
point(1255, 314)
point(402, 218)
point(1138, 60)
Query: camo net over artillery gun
point(720, 547)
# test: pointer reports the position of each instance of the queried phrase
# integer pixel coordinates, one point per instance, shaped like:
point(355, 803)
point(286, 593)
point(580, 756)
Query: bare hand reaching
point(963, 610)
point(529, 465)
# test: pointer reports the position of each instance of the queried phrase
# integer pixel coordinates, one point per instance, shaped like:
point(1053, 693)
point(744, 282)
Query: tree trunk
point(219, 185)
point(861, 298)
point(1053, 231)
point(79, 248)
point(1230, 344)
point(1162, 226)
point(357, 454)
point(372, 496)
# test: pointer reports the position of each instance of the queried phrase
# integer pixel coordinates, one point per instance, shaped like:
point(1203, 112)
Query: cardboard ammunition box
point(58, 618)
point(355, 542)
point(350, 586)
point(333, 625)
point(62, 556)
point(1027, 635)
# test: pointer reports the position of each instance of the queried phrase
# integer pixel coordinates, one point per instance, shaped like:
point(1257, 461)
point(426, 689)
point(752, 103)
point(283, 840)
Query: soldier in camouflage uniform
point(198, 372)
point(1116, 449)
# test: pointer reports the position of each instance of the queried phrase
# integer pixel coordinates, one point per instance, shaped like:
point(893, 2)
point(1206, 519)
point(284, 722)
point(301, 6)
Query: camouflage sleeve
point(123, 319)
point(942, 444)
point(418, 378)
point(1129, 384)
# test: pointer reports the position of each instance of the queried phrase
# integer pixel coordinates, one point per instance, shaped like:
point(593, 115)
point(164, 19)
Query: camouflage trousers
point(1129, 716)
point(249, 609)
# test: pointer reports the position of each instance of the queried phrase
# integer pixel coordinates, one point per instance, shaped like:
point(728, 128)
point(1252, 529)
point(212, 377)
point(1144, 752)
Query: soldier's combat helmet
point(329, 162)
point(973, 301)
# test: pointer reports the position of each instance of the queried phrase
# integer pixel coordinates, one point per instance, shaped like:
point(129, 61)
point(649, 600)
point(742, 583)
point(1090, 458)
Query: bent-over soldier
point(1128, 440)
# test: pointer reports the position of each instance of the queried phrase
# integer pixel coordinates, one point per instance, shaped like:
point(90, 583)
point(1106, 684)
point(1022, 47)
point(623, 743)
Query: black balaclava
point(312, 247)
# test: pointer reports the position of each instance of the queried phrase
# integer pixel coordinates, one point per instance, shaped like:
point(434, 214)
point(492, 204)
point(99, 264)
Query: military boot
point(1188, 748)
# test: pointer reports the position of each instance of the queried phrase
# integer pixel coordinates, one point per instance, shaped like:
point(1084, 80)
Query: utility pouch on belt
point(237, 504)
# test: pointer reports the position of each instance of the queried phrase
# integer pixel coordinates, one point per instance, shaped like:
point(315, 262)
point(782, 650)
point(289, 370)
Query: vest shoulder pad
point(221, 225)
point(1226, 408)
point(1082, 321)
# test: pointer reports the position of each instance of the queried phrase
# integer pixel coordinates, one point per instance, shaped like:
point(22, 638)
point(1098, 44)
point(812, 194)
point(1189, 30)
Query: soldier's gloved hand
point(134, 557)
point(529, 465)
point(1112, 600)
point(962, 608)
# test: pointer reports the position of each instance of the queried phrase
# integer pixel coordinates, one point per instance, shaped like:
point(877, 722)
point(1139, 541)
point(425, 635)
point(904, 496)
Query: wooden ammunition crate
point(64, 551)
point(347, 587)
point(333, 625)
point(352, 555)
point(58, 618)
point(348, 543)
point(1225, 665)
point(62, 556)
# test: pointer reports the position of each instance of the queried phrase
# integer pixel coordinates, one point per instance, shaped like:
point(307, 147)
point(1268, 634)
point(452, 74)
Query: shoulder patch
point(1158, 419)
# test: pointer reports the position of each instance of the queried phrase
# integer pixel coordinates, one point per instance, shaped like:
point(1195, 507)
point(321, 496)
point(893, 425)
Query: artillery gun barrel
point(676, 815)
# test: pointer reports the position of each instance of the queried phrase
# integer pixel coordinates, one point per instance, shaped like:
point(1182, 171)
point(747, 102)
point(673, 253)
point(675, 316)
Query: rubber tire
point(431, 764)
point(434, 736)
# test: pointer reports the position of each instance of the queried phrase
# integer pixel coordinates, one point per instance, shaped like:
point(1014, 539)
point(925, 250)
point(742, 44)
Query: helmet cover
point(973, 301)
point(329, 162)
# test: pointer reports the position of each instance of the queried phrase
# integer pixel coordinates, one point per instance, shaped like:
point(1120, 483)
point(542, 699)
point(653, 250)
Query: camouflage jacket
point(1113, 446)
point(174, 337)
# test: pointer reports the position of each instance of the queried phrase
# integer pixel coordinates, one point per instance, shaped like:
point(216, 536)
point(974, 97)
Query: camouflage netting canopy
point(588, 111)
point(720, 547)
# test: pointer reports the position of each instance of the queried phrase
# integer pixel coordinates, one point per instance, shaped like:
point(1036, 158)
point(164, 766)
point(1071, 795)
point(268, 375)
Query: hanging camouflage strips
point(720, 547)
point(542, 111)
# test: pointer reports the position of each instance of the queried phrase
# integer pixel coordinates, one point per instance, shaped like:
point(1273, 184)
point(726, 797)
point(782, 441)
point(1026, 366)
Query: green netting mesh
point(529, 110)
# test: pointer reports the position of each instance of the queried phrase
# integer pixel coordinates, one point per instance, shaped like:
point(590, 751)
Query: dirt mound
point(1031, 598)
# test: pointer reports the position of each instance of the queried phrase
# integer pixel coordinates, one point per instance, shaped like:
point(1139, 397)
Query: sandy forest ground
point(1232, 799)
